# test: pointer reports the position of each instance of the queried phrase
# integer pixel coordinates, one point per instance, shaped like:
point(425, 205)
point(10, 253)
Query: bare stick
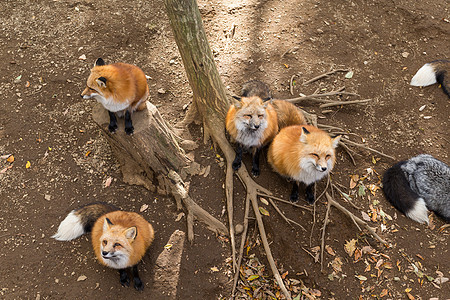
point(241, 247)
point(263, 235)
point(365, 147)
point(355, 218)
point(325, 222)
point(289, 221)
point(347, 149)
point(337, 103)
point(229, 196)
point(291, 87)
point(324, 75)
point(285, 201)
point(340, 191)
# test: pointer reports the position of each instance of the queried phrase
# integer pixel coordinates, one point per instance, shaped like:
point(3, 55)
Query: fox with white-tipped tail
point(417, 185)
point(434, 72)
point(119, 238)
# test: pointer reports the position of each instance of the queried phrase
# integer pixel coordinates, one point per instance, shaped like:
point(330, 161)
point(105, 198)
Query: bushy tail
point(434, 72)
point(398, 192)
point(81, 220)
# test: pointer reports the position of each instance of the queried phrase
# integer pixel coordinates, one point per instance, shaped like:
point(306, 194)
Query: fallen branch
point(285, 201)
point(325, 222)
point(317, 97)
point(347, 141)
point(337, 103)
point(324, 75)
point(289, 221)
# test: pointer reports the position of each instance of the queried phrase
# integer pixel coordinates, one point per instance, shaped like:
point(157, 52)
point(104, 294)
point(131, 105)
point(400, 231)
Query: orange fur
point(125, 83)
point(122, 221)
point(290, 147)
point(288, 114)
point(252, 106)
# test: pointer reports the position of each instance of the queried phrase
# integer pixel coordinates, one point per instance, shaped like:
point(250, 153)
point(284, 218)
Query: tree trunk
point(210, 98)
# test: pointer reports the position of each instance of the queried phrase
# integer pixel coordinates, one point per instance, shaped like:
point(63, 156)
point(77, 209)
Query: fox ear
point(99, 62)
point(101, 81)
point(303, 135)
point(130, 233)
point(107, 224)
point(237, 102)
point(335, 141)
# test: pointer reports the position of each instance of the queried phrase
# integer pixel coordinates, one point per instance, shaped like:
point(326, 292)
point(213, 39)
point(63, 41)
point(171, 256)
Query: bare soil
point(47, 50)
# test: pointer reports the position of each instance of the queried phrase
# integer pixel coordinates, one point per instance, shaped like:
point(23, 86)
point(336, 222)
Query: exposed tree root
point(325, 75)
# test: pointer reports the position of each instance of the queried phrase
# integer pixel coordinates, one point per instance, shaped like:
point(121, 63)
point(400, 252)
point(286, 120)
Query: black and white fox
point(417, 185)
point(434, 72)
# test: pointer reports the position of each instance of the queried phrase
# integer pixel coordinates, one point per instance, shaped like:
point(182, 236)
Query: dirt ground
point(62, 161)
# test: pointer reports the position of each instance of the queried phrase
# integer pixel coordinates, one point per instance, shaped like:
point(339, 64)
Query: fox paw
point(255, 172)
point(138, 284)
point(310, 198)
point(124, 280)
point(236, 165)
point(112, 128)
point(293, 198)
point(129, 130)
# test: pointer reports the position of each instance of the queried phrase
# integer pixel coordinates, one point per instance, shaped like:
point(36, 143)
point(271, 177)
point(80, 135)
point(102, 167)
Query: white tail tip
point(70, 228)
point(419, 212)
point(425, 76)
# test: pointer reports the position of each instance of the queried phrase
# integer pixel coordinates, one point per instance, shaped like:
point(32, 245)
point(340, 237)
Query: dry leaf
point(330, 250)
point(82, 278)
point(410, 297)
point(383, 293)
point(264, 201)
point(336, 264)
point(250, 278)
point(108, 181)
point(5, 169)
point(365, 216)
point(361, 277)
point(168, 246)
point(350, 247)
point(10, 159)
point(28, 165)
point(214, 269)
point(263, 211)
point(87, 154)
point(358, 254)
point(143, 207)
point(353, 181)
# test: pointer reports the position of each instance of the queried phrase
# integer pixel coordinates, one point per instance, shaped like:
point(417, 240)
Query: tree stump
point(153, 158)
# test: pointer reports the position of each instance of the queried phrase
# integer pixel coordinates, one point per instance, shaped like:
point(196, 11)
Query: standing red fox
point(304, 154)
point(287, 113)
point(119, 238)
point(252, 124)
point(121, 88)
point(433, 72)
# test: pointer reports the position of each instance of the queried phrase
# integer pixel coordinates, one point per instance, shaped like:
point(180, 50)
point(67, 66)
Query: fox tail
point(398, 192)
point(80, 220)
point(433, 72)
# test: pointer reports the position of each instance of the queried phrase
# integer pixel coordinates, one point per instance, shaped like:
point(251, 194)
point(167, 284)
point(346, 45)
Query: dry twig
point(324, 75)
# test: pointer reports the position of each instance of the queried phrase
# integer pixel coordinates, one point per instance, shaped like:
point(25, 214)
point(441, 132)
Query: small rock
point(239, 228)
point(161, 91)
point(82, 278)
point(405, 54)
point(82, 57)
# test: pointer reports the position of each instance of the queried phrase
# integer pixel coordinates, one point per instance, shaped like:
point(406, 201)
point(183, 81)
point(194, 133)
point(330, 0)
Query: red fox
point(430, 73)
point(121, 88)
point(252, 124)
point(119, 238)
point(304, 154)
point(287, 113)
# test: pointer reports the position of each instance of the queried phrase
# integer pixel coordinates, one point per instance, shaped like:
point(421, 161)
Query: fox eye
point(117, 245)
point(315, 155)
point(328, 156)
point(260, 116)
point(104, 242)
point(248, 116)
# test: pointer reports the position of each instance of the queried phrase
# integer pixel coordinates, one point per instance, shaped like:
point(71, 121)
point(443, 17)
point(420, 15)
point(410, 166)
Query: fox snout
point(321, 168)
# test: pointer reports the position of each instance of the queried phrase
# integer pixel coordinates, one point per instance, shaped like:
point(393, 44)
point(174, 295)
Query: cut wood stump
point(153, 158)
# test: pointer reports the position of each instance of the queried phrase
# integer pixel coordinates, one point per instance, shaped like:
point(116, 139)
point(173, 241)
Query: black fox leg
point(129, 129)
point(238, 158)
point(294, 193)
point(310, 193)
point(138, 284)
point(124, 279)
point(112, 127)
point(255, 163)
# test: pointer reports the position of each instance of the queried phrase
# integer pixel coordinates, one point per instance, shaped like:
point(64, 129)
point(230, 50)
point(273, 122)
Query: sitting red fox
point(119, 238)
point(303, 154)
point(121, 88)
point(252, 124)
